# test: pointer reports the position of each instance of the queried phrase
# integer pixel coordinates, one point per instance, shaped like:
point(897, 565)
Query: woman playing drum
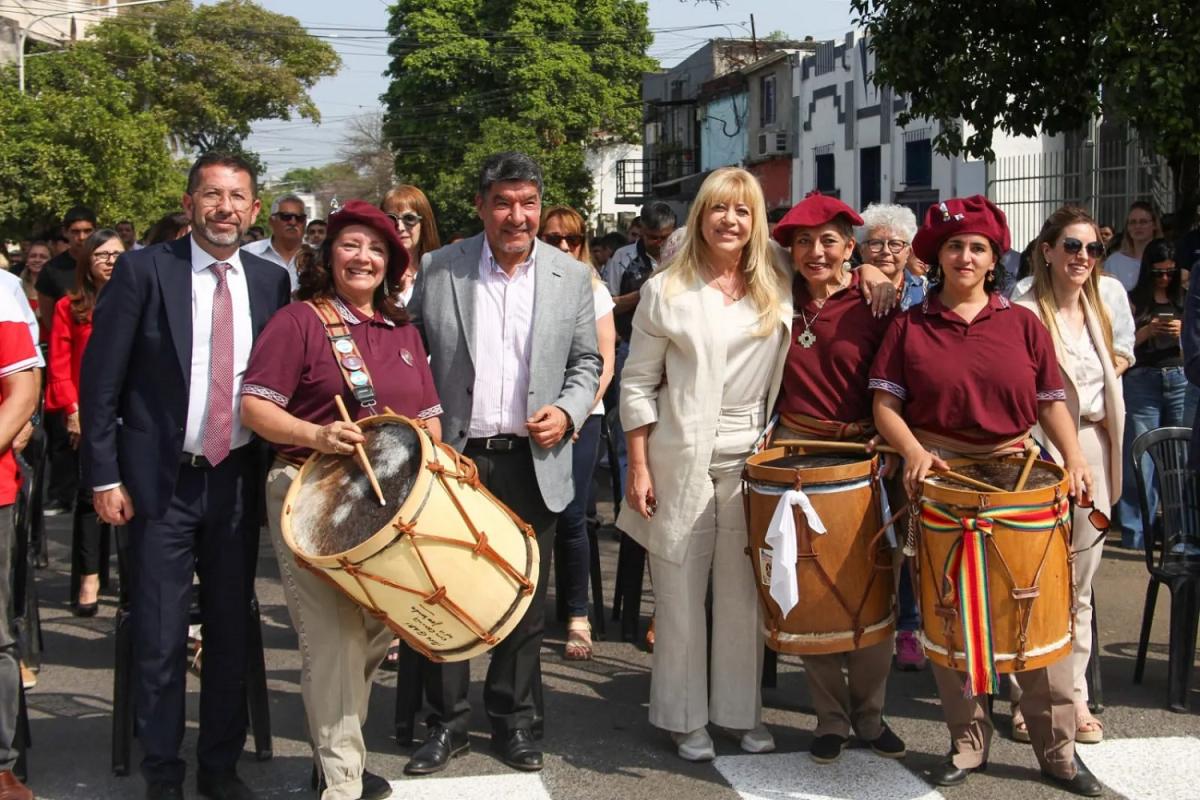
point(824, 395)
point(287, 398)
point(968, 373)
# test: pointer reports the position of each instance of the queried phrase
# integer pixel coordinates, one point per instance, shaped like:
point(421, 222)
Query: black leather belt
point(197, 461)
point(505, 443)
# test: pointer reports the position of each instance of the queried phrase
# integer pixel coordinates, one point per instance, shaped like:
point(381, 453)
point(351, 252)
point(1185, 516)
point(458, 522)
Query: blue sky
point(679, 25)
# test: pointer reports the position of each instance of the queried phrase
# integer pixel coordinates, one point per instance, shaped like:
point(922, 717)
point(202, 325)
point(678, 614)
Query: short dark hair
point(312, 222)
point(124, 222)
point(220, 159)
point(78, 214)
point(656, 216)
point(511, 166)
point(613, 241)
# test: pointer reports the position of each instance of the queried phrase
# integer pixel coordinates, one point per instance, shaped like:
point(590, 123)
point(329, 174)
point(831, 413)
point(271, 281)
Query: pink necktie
point(218, 425)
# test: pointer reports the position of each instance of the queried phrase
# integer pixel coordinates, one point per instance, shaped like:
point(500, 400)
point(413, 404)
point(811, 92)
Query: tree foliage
point(1029, 66)
point(472, 77)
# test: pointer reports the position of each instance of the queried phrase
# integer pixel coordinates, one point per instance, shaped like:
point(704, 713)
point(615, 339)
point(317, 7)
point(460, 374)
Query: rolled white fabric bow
point(781, 536)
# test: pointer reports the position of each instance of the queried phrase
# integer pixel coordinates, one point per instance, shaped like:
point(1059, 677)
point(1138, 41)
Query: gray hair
point(288, 198)
point(897, 219)
point(511, 166)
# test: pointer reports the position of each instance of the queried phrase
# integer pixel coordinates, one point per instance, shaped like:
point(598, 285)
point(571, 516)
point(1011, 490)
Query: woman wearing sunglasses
point(410, 210)
point(563, 228)
point(1066, 296)
point(1156, 389)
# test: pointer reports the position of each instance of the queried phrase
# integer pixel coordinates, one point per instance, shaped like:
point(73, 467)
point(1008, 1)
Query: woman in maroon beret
point(967, 373)
point(824, 395)
point(287, 398)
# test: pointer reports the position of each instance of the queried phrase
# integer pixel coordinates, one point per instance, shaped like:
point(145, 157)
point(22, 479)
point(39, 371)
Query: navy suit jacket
point(137, 368)
point(1191, 353)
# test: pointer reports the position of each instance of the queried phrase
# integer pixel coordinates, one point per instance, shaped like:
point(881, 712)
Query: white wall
point(602, 164)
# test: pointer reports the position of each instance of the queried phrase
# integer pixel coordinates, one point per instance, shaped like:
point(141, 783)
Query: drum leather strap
point(345, 353)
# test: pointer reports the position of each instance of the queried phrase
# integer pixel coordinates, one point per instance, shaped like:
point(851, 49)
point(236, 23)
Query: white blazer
point(673, 380)
point(1114, 399)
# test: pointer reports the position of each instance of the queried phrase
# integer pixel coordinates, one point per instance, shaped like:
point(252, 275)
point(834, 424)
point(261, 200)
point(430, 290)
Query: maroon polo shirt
point(980, 381)
point(292, 365)
point(829, 380)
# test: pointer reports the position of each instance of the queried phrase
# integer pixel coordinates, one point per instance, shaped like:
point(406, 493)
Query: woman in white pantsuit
point(709, 339)
point(1067, 297)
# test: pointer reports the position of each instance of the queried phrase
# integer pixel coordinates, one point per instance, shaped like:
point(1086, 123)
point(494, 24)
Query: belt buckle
point(498, 444)
point(194, 460)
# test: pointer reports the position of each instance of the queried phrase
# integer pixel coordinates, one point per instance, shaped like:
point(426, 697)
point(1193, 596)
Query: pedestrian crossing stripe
point(794, 776)
point(480, 787)
point(1146, 769)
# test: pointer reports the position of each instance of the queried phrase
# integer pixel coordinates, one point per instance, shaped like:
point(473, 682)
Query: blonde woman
point(1066, 297)
point(563, 228)
point(709, 339)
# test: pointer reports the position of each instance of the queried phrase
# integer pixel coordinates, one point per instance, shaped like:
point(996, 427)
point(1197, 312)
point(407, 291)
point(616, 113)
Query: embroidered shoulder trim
point(432, 411)
point(265, 393)
point(888, 386)
point(348, 316)
point(1052, 395)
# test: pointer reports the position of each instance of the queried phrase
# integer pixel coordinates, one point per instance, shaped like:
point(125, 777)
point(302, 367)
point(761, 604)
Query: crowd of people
point(186, 377)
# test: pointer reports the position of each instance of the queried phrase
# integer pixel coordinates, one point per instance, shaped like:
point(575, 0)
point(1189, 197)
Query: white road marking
point(482, 787)
point(1146, 769)
point(857, 774)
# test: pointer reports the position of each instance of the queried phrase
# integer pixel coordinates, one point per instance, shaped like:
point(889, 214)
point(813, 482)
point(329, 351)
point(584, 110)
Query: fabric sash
point(826, 428)
point(972, 449)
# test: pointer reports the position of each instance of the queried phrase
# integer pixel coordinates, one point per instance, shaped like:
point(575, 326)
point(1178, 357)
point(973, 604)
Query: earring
point(847, 266)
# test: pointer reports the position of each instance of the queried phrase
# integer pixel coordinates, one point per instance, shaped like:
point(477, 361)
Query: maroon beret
point(358, 212)
point(958, 215)
point(813, 211)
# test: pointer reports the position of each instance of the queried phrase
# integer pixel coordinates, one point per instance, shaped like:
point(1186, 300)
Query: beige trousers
point(340, 648)
point(681, 698)
point(853, 700)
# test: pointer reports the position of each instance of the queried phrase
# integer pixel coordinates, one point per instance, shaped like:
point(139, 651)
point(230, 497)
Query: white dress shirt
point(12, 283)
point(265, 248)
point(204, 287)
point(503, 342)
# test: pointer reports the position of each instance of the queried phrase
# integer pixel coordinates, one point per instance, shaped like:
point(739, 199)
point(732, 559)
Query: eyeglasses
point(573, 240)
point(286, 217)
point(213, 197)
point(895, 246)
point(1166, 272)
point(106, 258)
point(409, 219)
point(1071, 246)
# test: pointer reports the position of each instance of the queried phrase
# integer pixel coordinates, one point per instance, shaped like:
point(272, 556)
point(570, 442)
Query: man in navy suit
point(165, 454)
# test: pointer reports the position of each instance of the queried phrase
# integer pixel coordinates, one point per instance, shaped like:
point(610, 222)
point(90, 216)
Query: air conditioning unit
point(772, 143)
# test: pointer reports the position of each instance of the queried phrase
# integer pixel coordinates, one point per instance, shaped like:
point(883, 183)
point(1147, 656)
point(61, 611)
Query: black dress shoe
point(1084, 783)
point(373, 786)
point(946, 774)
point(223, 786)
point(86, 609)
point(440, 746)
point(161, 790)
point(518, 749)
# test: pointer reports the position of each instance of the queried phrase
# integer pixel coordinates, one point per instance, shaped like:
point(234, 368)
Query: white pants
point(681, 698)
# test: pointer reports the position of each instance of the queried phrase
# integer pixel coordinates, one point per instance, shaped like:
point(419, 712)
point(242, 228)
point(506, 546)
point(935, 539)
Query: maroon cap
point(813, 211)
point(358, 212)
point(975, 214)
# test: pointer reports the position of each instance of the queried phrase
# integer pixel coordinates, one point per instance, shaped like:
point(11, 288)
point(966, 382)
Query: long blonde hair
point(730, 185)
point(1043, 288)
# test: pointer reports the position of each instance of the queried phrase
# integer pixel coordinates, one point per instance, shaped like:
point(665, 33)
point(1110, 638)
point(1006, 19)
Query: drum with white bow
point(822, 565)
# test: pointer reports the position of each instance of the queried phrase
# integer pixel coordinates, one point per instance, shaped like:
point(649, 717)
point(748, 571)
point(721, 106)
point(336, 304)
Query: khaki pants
point(854, 700)
point(681, 699)
point(340, 648)
point(1046, 703)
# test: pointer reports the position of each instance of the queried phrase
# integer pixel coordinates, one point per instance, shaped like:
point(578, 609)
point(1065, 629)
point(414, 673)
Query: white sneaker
point(758, 740)
point(694, 746)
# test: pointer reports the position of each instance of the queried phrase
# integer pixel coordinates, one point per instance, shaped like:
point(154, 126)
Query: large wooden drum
point(844, 576)
point(444, 564)
point(993, 568)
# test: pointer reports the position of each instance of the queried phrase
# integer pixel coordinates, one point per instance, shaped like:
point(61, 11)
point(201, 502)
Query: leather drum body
point(844, 576)
point(445, 564)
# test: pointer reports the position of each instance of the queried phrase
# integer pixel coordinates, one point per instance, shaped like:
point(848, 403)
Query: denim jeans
point(572, 522)
point(1154, 398)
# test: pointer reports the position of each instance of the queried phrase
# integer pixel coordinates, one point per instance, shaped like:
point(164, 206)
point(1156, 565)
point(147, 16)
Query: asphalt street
point(598, 741)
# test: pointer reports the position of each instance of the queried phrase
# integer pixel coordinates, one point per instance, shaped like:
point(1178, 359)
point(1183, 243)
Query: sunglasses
point(1097, 518)
point(1071, 246)
point(408, 219)
point(286, 217)
point(893, 245)
point(573, 240)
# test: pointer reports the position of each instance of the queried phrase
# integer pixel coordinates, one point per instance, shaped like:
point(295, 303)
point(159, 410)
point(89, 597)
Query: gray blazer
point(564, 367)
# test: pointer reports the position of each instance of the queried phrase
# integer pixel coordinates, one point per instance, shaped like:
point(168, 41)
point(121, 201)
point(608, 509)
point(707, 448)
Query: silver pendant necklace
point(807, 338)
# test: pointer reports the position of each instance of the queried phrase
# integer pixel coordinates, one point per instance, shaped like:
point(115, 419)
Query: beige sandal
point(1020, 731)
point(579, 640)
point(1088, 729)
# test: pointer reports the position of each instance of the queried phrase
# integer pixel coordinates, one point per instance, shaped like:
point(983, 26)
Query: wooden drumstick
point(1030, 457)
point(360, 452)
point(860, 447)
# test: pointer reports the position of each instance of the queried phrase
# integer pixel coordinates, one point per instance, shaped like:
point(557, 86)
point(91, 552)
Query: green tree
point(471, 77)
point(1026, 66)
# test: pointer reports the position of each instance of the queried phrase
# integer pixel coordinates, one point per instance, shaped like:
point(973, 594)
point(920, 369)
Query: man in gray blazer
point(510, 328)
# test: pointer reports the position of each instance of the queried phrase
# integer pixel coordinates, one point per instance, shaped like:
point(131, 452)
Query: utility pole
point(753, 37)
point(23, 34)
